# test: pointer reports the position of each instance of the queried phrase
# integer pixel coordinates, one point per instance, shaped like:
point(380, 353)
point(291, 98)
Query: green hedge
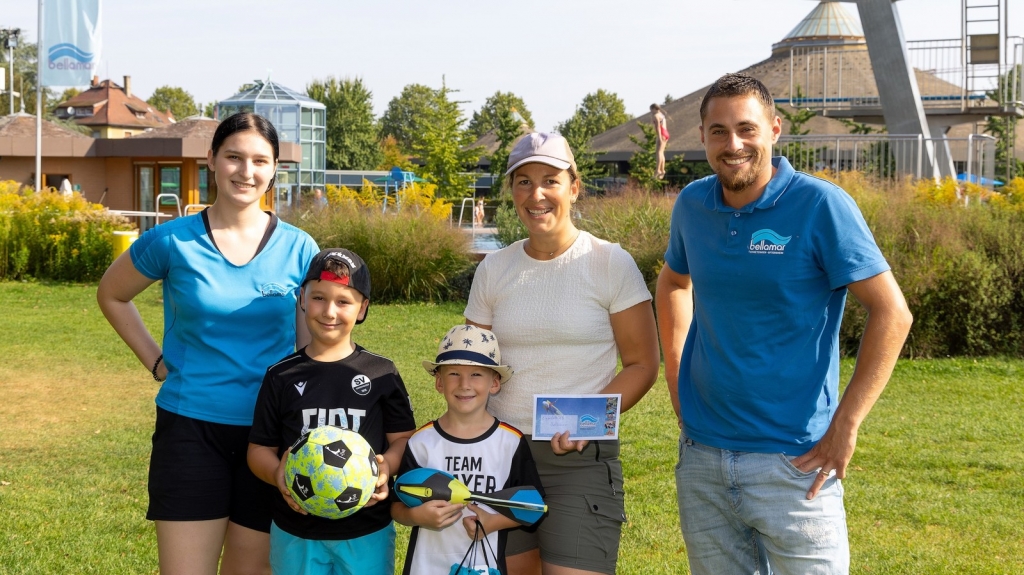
point(47, 236)
point(958, 260)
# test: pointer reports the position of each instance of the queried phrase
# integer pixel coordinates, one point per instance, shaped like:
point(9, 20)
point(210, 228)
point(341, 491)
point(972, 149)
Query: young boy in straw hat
point(468, 443)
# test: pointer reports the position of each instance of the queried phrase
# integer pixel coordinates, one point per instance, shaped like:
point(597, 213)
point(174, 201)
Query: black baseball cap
point(358, 274)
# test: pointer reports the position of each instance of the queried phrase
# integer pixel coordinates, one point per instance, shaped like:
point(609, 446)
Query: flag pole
point(39, 101)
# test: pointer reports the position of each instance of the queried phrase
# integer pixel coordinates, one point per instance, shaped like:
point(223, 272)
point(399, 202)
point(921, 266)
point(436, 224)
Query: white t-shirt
point(500, 458)
point(552, 319)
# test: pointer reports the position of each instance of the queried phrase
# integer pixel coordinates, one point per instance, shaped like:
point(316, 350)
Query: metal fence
point(891, 155)
point(838, 78)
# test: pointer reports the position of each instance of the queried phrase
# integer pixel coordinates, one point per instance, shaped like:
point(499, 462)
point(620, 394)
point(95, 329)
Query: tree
point(210, 109)
point(67, 95)
point(599, 112)
point(644, 163)
point(486, 118)
point(180, 103)
point(799, 154)
point(405, 113)
point(351, 129)
point(508, 127)
point(1004, 128)
point(24, 81)
point(392, 156)
point(506, 116)
point(859, 127)
point(444, 145)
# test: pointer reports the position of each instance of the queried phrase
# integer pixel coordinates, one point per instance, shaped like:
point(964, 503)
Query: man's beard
point(737, 182)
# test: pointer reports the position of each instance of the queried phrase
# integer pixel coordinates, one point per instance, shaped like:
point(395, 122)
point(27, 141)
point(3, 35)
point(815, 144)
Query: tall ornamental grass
point(634, 218)
point(47, 236)
point(412, 251)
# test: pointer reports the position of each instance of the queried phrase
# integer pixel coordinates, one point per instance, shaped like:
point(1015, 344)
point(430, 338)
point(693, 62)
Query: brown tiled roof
point(191, 127)
point(24, 126)
point(112, 107)
point(18, 138)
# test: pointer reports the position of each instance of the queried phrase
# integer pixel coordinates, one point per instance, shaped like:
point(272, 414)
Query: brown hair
point(338, 268)
point(246, 122)
point(732, 85)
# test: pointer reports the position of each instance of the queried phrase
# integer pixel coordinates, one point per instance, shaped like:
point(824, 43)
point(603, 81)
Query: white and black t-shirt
point(498, 459)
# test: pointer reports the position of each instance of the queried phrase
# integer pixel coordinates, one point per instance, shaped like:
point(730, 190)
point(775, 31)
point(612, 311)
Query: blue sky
point(550, 52)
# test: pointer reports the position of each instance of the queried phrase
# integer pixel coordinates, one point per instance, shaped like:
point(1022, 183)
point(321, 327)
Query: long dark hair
point(245, 122)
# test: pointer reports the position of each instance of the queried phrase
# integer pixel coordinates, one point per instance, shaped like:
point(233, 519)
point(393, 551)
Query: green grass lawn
point(936, 486)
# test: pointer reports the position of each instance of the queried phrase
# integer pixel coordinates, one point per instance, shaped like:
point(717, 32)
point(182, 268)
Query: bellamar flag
point(70, 42)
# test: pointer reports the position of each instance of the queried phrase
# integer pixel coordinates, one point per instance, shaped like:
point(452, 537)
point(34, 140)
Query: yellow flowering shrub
point(48, 236)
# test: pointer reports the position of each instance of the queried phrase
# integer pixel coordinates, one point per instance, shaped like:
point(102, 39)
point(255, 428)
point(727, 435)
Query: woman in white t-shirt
point(565, 306)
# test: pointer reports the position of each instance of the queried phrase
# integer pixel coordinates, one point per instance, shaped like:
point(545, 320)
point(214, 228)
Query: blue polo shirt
point(224, 324)
point(760, 367)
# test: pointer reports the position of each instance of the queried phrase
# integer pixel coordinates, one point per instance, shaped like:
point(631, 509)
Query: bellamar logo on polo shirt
point(768, 242)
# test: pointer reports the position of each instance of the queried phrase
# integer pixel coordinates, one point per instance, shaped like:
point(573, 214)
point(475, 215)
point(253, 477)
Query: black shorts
point(198, 471)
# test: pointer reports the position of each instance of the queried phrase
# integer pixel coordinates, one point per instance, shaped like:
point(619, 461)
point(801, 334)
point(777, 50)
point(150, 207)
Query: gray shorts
point(586, 508)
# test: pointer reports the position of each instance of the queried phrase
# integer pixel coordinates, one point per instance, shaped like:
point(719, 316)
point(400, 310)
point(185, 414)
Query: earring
point(572, 201)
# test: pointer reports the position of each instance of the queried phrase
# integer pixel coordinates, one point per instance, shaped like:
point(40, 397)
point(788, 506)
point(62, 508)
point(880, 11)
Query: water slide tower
point(960, 74)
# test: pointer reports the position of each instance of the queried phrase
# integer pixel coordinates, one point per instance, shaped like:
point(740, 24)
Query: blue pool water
point(485, 242)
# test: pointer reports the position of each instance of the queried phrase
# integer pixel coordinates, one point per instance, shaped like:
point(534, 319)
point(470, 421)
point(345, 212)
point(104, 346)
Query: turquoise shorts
point(372, 554)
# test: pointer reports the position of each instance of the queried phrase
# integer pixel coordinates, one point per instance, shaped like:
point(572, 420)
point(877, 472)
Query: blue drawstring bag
point(469, 565)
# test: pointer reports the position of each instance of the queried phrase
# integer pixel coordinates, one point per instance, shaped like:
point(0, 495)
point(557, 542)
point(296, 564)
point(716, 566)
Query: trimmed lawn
point(936, 484)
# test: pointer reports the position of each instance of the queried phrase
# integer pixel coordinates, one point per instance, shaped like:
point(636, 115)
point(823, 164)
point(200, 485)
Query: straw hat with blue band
point(469, 345)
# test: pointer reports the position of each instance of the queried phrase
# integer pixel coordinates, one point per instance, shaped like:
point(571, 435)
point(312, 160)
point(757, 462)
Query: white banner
point(70, 42)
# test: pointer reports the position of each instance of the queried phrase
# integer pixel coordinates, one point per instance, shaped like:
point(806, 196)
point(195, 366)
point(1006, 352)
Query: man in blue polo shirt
point(759, 262)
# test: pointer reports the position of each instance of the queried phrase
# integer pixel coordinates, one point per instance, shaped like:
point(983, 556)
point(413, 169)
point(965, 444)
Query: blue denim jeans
point(748, 513)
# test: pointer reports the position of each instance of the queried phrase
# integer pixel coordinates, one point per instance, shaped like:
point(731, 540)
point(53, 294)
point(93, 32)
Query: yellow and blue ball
point(331, 472)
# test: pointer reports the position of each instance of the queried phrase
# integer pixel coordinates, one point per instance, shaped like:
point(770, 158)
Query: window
point(170, 183)
point(284, 117)
point(145, 182)
point(204, 185)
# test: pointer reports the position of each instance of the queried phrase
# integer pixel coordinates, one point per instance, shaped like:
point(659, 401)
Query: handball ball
point(331, 472)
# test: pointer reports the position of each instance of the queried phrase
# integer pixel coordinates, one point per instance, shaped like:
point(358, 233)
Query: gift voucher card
point(590, 417)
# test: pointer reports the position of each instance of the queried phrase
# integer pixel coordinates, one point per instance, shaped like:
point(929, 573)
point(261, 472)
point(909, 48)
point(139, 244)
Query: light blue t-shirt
point(760, 367)
point(223, 324)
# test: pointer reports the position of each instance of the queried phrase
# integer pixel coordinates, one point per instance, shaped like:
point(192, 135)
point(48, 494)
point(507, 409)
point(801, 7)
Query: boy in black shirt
point(332, 381)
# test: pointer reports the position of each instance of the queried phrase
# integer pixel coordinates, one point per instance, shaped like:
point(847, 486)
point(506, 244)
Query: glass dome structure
point(299, 119)
point(829, 24)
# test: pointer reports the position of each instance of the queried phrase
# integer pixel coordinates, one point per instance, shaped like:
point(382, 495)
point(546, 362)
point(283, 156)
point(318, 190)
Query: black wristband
point(156, 364)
